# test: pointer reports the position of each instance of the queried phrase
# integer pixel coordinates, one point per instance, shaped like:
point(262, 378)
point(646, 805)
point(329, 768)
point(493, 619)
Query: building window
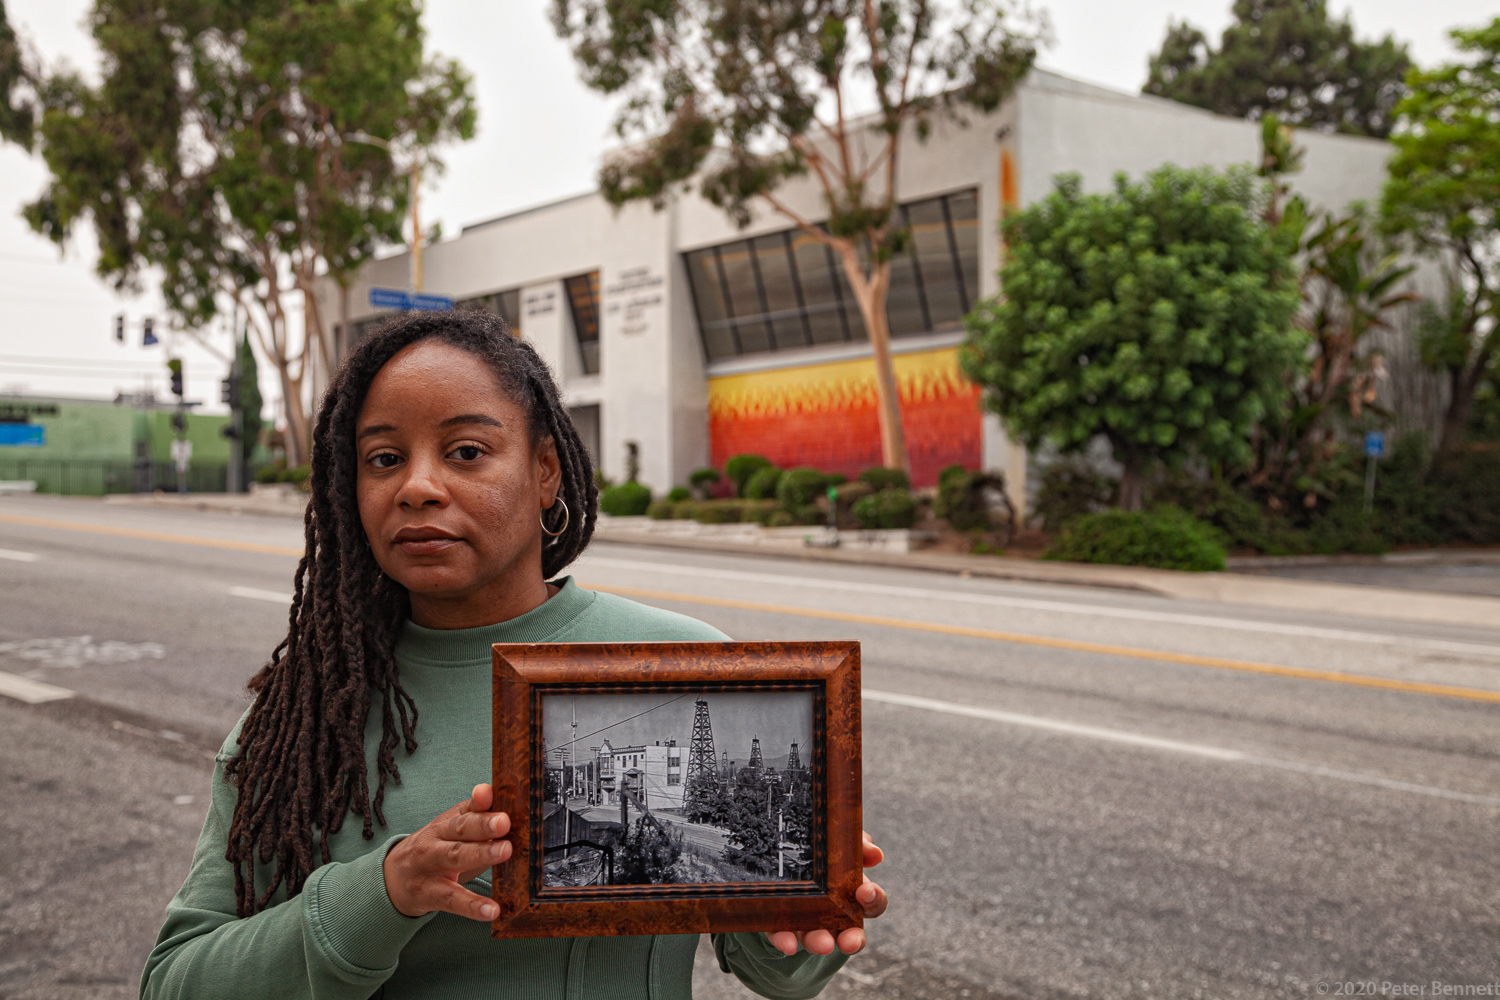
point(583, 300)
point(787, 290)
point(674, 778)
point(506, 305)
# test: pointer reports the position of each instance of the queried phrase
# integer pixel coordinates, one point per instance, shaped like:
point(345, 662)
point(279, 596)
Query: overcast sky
point(540, 137)
point(778, 718)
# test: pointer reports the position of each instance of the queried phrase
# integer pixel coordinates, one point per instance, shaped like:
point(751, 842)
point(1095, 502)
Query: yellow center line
point(1131, 652)
point(151, 536)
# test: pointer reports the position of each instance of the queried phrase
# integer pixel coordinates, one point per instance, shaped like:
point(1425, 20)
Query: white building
point(654, 772)
point(683, 340)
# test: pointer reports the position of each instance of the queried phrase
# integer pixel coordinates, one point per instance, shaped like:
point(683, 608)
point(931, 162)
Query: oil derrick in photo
point(755, 758)
point(793, 759)
point(702, 793)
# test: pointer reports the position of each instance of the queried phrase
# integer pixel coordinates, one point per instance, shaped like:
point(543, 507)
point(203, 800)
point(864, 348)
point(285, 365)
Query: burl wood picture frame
point(823, 780)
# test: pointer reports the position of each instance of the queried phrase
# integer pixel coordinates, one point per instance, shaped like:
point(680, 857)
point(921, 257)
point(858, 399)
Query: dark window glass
point(783, 304)
point(905, 309)
point(583, 299)
point(932, 251)
point(963, 216)
point(787, 290)
point(825, 318)
point(506, 305)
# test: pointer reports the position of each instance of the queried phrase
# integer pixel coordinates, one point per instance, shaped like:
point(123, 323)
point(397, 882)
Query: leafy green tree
point(1158, 315)
point(1443, 198)
point(17, 87)
point(749, 93)
point(1286, 56)
point(216, 148)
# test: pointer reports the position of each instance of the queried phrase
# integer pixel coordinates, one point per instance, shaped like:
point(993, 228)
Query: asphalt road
point(1082, 793)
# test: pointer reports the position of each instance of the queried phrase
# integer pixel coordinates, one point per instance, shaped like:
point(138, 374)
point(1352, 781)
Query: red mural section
point(825, 416)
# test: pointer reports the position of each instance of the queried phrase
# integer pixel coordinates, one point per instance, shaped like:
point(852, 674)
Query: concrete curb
point(1228, 588)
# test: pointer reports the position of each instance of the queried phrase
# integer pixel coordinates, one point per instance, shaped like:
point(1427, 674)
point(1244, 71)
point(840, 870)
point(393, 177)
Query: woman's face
point(450, 488)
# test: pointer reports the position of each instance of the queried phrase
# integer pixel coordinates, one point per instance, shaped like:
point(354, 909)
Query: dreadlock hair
point(300, 763)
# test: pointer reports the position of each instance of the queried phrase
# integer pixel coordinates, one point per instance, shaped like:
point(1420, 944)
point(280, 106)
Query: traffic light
point(175, 367)
point(179, 422)
point(230, 431)
point(229, 392)
point(120, 328)
point(148, 332)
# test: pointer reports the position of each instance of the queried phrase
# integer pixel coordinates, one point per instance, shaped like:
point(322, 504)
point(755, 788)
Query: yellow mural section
point(824, 415)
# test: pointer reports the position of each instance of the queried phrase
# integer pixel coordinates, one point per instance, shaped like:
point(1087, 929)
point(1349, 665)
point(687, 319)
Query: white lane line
point(1176, 746)
point(274, 596)
point(1063, 607)
point(30, 691)
point(15, 556)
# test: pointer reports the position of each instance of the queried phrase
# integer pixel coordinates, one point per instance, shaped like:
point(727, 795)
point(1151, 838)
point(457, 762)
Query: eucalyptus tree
point(745, 94)
point(17, 97)
point(215, 149)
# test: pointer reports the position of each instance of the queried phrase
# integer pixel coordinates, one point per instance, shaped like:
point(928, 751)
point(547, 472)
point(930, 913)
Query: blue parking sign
point(1375, 444)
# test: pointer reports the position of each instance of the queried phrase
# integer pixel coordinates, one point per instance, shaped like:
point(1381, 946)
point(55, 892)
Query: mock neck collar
point(469, 647)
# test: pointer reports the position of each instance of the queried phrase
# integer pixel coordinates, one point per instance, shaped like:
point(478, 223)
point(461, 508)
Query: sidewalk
point(1228, 588)
point(267, 502)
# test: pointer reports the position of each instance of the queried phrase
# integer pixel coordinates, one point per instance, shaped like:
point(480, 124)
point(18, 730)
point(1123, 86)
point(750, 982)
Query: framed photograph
point(678, 787)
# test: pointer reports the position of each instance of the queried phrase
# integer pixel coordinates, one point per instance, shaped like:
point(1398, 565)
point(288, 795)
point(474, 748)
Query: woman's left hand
point(849, 941)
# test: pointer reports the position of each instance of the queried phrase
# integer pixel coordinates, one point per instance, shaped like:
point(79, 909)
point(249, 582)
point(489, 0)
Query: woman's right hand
point(426, 871)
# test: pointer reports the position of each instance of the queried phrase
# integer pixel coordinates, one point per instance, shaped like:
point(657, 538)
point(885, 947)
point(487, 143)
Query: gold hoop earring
point(566, 516)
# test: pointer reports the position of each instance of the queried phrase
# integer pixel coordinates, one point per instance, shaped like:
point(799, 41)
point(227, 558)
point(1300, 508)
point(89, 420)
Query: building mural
point(824, 415)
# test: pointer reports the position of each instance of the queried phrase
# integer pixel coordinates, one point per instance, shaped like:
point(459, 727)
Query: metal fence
point(80, 477)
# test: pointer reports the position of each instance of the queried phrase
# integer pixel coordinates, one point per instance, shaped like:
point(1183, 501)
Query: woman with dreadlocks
point(344, 845)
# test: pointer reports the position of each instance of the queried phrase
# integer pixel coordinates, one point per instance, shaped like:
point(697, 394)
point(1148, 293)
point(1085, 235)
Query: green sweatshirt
point(341, 937)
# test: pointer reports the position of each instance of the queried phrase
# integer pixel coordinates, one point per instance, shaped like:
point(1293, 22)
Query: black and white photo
point(678, 788)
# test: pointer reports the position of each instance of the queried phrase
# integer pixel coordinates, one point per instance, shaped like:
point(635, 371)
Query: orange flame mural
point(824, 415)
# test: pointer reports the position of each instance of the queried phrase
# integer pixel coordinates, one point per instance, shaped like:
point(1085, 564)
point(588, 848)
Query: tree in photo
point(1443, 198)
point(1158, 316)
point(217, 149)
point(1351, 283)
point(751, 823)
point(18, 108)
point(1290, 57)
point(647, 855)
point(747, 95)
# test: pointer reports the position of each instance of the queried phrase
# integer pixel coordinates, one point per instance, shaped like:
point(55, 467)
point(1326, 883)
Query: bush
point(1166, 537)
point(277, 472)
point(881, 478)
point(762, 483)
point(740, 468)
point(702, 482)
point(687, 510)
point(974, 501)
point(889, 508)
point(717, 511)
point(803, 486)
point(661, 510)
point(679, 494)
point(626, 500)
point(780, 519)
point(1072, 488)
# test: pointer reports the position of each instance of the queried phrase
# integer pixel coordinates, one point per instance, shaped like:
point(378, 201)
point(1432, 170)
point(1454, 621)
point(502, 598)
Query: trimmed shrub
point(706, 476)
point(803, 486)
point(1166, 537)
point(1072, 488)
point(661, 510)
point(717, 511)
point(758, 511)
point(740, 468)
point(780, 519)
point(889, 508)
point(881, 478)
point(762, 483)
point(687, 510)
point(974, 501)
point(626, 500)
point(678, 494)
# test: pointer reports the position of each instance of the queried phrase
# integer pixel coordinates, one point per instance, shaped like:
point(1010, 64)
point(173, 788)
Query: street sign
point(1375, 444)
point(13, 435)
point(432, 303)
point(394, 298)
